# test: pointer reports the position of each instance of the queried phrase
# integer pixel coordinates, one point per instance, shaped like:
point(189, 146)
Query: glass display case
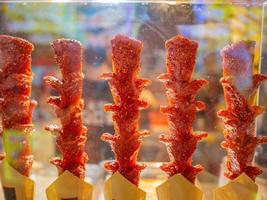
point(213, 24)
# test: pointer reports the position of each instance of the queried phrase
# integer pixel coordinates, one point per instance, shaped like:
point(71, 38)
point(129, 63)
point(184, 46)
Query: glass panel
point(95, 23)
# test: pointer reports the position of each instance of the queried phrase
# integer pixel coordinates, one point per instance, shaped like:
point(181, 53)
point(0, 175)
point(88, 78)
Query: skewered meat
point(181, 91)
point(71, 137)
point(240, 88)
point(126, 87)
point(16, 106)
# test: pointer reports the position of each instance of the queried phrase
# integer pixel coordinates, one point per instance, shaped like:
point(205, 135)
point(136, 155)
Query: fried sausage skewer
point(240, 88)
point(126, 87)
point(71, 137)
point(16, 105)
point(181, 91)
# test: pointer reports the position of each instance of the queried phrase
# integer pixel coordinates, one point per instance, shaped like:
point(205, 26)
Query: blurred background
point(213, 25)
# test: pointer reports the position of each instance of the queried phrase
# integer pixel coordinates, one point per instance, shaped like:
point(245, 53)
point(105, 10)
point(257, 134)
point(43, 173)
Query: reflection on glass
point(94, 24)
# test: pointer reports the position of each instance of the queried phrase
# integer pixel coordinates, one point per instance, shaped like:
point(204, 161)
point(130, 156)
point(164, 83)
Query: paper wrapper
point(119, 188)
point(178, 188)
point(69, 187)
point(242, 188)
point(17, 149)
point(15, 185)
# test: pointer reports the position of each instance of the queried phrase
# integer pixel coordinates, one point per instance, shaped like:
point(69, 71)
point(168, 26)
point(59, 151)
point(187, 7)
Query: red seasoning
point(181, 91)
point(126, 87)
point(15, 89)
point(71, 137)
point(240, 88)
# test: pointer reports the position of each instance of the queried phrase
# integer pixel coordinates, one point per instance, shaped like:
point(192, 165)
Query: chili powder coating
point(126, 87)
point(71, 137)
point(181, 92)
point(240, 87)
point(15, 87)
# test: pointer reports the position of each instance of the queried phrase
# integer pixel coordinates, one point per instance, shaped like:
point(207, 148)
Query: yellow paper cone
point(15, 185)
point(69, 187)
point(178, 188)
point(119, 188)
point(242, 188)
